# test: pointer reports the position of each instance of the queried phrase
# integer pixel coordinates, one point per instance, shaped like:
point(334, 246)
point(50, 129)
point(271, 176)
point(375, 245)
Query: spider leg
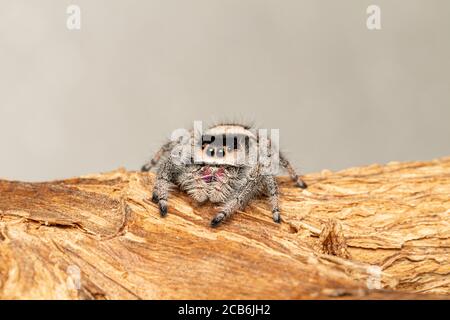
point(157, 157)
point(272, 190)
point(290, 169)
point(241, 197)
point(163, 182)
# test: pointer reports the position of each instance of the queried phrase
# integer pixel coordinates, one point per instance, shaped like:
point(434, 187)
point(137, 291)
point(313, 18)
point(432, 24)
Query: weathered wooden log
point(369, 232)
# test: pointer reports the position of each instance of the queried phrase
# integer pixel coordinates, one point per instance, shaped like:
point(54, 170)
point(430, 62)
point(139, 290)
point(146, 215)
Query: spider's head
point(225, 145)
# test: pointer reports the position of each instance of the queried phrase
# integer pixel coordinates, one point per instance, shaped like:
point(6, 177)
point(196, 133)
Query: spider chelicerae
point(220, 166)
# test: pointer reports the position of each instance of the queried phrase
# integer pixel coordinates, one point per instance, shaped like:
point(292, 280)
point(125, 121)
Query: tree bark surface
point(378, 232)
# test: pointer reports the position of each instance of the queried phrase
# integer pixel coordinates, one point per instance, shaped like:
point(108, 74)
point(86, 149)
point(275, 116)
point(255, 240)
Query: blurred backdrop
point(107, 95)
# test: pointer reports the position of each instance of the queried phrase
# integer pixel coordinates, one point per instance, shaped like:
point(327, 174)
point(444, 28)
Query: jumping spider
point(218, 177)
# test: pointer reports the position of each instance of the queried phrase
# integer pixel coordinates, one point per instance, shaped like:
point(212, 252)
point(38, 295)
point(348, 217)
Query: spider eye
point(221, 152)
point(210, 152)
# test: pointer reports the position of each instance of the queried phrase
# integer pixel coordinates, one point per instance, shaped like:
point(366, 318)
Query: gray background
point(77, 102)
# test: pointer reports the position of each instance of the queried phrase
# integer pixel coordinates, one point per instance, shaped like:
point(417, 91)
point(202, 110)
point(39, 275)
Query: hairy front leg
point(161, 194)
point(272, 190)
point(163, 182)
point(241, 197)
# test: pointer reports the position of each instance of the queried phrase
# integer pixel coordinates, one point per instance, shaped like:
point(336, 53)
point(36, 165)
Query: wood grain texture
point(369, 232)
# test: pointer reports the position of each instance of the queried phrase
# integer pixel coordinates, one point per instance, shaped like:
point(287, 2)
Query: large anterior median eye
point(210, 152)
point(221, 152)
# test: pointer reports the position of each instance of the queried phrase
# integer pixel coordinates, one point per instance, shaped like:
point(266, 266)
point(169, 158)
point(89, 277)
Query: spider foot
point(301, 184)
point(276, 216)
point(155, 197)
point(217, 219)
point(162, 208)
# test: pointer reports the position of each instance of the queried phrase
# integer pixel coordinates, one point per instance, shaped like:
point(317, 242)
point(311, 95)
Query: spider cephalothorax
point(219, 166)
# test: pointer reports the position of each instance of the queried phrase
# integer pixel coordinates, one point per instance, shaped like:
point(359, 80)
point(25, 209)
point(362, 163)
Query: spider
point(213, 172)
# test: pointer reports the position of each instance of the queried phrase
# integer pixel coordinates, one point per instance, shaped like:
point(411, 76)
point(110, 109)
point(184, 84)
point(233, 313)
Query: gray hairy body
point(230, 186)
